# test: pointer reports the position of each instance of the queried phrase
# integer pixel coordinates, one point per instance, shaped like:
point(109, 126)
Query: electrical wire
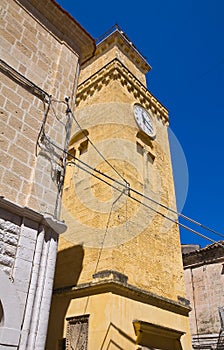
point(147, 206)
point(66, 102)
point(46, 111)
point(96, 149)
point(135, 191)
point(56, 116)
point(127, 185)
point(57, 167)
point(22, 80)
point(151, 199)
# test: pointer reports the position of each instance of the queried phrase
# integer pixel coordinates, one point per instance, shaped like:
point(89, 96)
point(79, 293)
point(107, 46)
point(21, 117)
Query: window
point(79, 143)
point(83, 147)
point(145, 146)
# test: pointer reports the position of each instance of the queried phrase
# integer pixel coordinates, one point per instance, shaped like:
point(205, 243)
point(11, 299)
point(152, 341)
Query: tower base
point(109, 313)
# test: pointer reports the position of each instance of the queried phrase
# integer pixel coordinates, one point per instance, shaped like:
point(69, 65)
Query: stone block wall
point(204, 280)
point(42, 48)
point(35, 65)
point(9, 236)
point(27, 257)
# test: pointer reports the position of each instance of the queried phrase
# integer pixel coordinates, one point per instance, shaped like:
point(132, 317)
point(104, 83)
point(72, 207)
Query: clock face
point(144, 120)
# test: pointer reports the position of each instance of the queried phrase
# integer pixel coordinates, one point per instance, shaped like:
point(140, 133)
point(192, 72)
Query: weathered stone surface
point(114, 232)
point(41, 49)
point(9, 236)
point(204, 280)
point(49, 63)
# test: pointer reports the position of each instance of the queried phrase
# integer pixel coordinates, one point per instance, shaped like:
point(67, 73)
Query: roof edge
point(59, 22)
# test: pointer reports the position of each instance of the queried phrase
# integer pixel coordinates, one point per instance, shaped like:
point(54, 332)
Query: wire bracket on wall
point(48, 149)
point(21, 80)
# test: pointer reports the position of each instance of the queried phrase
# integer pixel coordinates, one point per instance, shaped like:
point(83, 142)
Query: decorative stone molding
point(157, 335)
point(110, 274)
point(117, 37)
point(28, 256)
point(209, 255)
point(45, 219)
point(124, 289)
point(9, 237)
point(115, 70)
point(58, 226)
point(77, 332)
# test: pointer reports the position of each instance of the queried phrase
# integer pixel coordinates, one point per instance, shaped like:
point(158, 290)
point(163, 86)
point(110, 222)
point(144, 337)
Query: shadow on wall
point(109, 343)
point(151, 341)
point(68, 269)
point(68, 266)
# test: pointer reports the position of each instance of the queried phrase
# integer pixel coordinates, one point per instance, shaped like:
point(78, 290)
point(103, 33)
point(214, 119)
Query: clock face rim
point(151, 134)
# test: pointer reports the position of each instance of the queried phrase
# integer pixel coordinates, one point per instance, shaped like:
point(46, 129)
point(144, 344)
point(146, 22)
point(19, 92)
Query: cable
point(55, 114)
point(152, 200)
point(141, 194)
point(147, 206)
point(57, 165)
point(96, 149)
point(66, 102)
point(43, 122)
point(22, 80)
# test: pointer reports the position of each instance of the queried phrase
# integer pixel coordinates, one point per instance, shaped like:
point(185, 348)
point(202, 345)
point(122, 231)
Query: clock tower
point(119, 276)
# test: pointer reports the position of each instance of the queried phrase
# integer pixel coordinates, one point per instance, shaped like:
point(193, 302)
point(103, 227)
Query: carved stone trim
point(119, 38)
point(207, 255)
point(110, 274)
point(77, 332)
point(24, 212)
point(125, 290)
point(115, 70)
point(156, 336)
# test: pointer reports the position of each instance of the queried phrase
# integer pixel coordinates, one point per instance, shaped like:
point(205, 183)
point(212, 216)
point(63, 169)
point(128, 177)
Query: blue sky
point(183, 41)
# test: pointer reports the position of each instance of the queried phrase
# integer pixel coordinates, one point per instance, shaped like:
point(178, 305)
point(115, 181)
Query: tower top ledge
point(116, 36)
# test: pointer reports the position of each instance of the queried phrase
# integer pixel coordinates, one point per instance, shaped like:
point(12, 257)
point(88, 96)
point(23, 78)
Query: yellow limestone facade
point(119, 275)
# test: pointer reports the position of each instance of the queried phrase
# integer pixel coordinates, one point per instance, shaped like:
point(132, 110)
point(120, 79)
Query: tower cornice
point(115, 70)
point(124, 289)
point(118, 38)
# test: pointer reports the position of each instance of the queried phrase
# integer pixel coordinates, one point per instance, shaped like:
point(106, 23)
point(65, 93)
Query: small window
point(83, 147)
point(78, 144)
point(144, 139)
point(72, 154)
point(140, 149)
point(150, 158)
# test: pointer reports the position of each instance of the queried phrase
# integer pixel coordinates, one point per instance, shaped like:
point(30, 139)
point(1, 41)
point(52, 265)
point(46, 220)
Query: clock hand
point(149, 126)
point(143, 117)
point(146, 123)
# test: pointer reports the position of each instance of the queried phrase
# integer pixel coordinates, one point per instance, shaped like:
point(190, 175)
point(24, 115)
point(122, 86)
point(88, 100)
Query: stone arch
point(10, 312)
